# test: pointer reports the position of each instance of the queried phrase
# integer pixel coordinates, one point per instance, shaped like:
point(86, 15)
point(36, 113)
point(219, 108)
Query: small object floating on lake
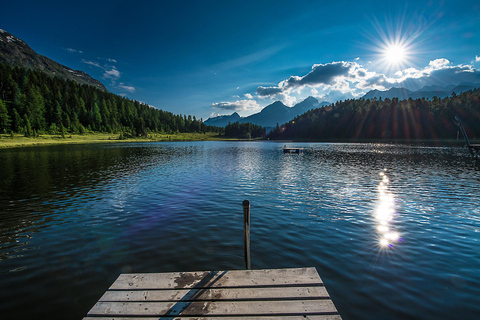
point(292, 150)
point(282, 294)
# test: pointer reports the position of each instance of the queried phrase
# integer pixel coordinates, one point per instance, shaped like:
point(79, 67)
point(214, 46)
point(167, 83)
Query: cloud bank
point(239, 105)
point(352, 80)
point(340, 80)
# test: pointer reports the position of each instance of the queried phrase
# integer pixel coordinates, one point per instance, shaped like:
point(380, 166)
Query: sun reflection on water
point(384, 214)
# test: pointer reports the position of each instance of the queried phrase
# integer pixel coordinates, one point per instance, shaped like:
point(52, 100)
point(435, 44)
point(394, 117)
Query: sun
point(395, 54)
point(395, 45)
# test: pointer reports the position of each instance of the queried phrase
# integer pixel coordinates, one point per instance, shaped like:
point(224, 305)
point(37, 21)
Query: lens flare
point(395, 44)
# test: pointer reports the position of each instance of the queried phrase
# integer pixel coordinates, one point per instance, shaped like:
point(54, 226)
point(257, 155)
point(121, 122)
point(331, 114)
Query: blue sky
point(206, 58)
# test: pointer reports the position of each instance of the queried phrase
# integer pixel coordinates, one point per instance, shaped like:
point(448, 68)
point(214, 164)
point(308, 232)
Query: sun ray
point(395, 43)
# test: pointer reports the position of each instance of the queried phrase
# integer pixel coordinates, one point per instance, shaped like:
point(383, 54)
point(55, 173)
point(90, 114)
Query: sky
point(208, 58)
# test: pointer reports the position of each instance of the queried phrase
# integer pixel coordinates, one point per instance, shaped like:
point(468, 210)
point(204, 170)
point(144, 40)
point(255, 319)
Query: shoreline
point(20, 141)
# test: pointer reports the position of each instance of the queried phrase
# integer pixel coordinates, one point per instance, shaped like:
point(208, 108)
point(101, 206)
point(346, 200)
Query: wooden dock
point(271, 294)
point(292, 150)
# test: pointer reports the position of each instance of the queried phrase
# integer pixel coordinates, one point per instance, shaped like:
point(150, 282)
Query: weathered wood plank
point(220, 308)
point(276, 294)
point(264, 293)
point(217, 279)
point(306, 317)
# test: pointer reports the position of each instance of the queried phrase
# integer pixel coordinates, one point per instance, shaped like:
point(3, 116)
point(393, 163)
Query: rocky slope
point(16, 52)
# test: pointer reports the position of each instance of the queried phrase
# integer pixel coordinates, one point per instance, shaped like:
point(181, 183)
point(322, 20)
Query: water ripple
point(392, 229)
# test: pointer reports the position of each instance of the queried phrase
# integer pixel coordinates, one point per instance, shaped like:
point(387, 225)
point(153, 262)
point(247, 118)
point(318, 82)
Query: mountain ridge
point(425, 92)
point(16, 52)
point(270, 115)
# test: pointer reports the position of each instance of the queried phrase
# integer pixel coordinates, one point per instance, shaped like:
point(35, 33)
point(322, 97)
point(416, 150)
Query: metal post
point(246, 231)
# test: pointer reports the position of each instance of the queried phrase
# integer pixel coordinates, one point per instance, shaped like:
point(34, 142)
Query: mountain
point(306, 105)
point(426, 92)
point(16, 52)
point(222, 121)
point(272, 114)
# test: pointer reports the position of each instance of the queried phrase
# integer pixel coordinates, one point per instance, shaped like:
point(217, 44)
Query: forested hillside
point(387, 119)
point(32, 102)
point(244, 130)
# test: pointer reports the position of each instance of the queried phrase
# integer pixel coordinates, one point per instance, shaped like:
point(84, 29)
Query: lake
point(393, 230)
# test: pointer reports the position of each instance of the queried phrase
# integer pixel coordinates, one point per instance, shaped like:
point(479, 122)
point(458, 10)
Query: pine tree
point(4, 117)
point(28, 127)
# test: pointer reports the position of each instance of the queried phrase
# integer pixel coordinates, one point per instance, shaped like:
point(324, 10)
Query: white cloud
point(287, 99)
point(113, 73)
point(126, 88)
point(92, 63)
point(477, 59)
point(112, 60)
point(439, 63)
point(71, 50)
point(248, 96)
point(109, 72)
point(345, 80)
point(239, 105)
point(357, 58)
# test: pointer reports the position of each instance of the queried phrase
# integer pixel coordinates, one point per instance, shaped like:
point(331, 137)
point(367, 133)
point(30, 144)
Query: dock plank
point(270, 294)
point(306, 317)
point(214, 308)
point(217, 294)
point(216, 279)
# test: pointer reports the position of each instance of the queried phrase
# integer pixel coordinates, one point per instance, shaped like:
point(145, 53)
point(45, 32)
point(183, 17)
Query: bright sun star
point(395, 54)
point(394, 46)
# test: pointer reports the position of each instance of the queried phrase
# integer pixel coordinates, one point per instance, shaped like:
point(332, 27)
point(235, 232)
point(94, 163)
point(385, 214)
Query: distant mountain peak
point(426, 92)
point(277, 104)
point(222, 121)
point(274, 113)
point(16, 52)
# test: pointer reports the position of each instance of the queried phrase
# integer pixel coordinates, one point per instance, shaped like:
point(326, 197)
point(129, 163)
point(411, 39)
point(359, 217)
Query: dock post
point(246, 232)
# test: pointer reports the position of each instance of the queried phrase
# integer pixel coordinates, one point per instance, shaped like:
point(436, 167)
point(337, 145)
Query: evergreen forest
point(32, 103)
point(244, 130)
point(363, 119)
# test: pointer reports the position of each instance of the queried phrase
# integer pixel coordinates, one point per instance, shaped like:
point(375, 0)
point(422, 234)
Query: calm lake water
point(393, 230)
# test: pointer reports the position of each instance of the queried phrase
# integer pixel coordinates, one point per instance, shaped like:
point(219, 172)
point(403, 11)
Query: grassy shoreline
point(18, 140)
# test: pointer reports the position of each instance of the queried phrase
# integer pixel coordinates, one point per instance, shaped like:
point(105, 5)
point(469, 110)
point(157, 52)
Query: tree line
point(391, 119)
point(244, 130)
point(32, 102)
